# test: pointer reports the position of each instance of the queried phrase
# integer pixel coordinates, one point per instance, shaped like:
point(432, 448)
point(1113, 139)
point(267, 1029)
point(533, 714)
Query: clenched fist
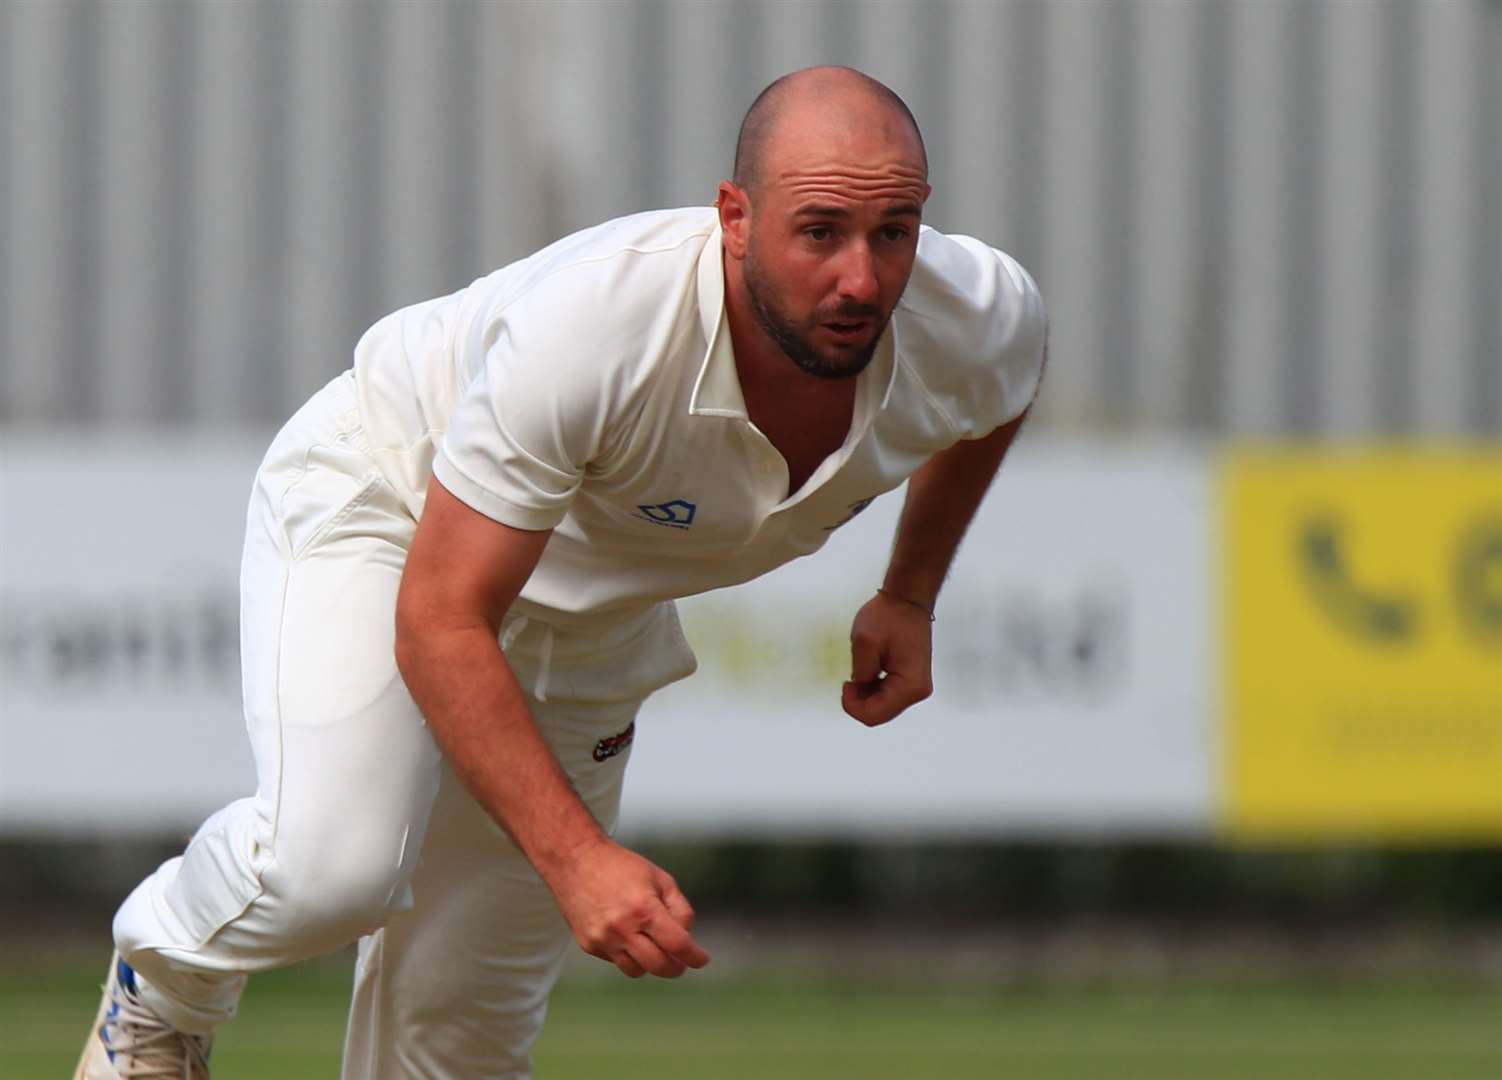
point(891, 660)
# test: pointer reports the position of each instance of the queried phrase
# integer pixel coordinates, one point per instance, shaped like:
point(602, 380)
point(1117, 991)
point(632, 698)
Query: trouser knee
point(335, 901)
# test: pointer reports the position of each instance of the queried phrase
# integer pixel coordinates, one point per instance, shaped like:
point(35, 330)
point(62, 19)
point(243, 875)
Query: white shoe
point(130, 1042)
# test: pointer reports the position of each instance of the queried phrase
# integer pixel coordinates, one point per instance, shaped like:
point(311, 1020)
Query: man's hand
point(891, 652)
point(627, 911)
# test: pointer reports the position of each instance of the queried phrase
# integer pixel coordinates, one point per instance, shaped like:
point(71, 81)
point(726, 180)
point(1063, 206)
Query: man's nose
point(858, 275)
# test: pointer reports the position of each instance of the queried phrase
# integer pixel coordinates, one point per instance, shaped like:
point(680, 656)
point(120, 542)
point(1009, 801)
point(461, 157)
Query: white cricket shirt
point(591, 389)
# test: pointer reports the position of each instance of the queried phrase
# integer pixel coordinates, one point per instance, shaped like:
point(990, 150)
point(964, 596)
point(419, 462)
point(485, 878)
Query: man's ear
point(735, 218)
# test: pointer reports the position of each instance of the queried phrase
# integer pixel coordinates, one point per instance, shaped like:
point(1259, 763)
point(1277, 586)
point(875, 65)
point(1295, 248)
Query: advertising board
point(1280, 644)
point(1072, 658)
point(1363, 643)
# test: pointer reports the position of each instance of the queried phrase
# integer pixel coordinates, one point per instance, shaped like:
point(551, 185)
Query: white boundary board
point(1073, 673)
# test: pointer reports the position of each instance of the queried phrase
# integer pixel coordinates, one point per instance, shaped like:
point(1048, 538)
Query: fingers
point(865, 657)
point(650, 937)
point(676, 903)
point(865, 696)
point(643, 956)
point(673, 933)
point(677, 944)
point(662, 948)
point(876, 702)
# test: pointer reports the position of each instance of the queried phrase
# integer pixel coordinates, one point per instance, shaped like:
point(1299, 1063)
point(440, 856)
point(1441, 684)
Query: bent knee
point(339, 894)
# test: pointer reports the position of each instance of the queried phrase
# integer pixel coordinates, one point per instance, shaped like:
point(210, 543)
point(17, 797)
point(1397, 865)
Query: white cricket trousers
point(358, 828)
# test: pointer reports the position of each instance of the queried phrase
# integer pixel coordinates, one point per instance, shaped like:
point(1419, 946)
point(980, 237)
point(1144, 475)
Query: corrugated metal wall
point(1252, 217)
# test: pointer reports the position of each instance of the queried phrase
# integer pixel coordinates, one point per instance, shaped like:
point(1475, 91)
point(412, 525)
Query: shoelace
point(145, 1046)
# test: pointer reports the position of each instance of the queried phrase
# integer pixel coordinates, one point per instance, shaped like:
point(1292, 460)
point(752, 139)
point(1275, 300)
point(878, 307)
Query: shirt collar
point(717, 390)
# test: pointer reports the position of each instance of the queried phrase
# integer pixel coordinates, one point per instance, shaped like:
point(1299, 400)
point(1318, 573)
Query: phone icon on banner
point(1383, 616)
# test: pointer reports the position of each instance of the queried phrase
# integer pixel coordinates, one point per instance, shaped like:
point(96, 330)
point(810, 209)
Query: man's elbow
point(428, 633)
point(409, 637)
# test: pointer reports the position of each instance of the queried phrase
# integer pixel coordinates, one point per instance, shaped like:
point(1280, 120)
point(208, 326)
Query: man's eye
point(818, 233)
point(894, 233)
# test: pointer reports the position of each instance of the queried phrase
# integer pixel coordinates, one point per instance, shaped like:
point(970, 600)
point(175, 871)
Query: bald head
point(828, 95)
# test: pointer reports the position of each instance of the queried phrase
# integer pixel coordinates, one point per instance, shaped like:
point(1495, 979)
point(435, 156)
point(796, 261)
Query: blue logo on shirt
point(677, 514)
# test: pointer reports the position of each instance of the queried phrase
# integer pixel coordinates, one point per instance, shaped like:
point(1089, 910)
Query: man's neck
point(768, 375)
point(804, 417)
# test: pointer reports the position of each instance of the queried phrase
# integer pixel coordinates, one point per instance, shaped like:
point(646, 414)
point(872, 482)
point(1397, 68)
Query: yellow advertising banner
point(1362, 599)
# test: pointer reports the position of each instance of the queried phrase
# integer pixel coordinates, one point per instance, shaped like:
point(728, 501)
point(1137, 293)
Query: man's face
point(831, 245)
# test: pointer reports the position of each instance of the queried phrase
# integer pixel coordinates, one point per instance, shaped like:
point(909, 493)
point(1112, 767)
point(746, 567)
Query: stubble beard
point(794, 342)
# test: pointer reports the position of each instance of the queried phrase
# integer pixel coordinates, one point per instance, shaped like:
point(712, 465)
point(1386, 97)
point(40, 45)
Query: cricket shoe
point(130, 1042)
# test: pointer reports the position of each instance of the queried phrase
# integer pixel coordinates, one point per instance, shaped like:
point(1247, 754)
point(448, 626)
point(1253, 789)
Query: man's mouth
point(848, 329)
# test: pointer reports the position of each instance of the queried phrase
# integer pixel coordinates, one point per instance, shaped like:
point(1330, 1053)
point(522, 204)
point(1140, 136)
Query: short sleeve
point(978, 331)
point(529, 423)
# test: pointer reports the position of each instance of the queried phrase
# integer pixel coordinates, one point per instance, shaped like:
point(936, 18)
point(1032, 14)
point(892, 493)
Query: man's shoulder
point(606, 304)
point(958, 275)
point(967, 301)
point(972, 331)
point(649, 232)
point(627, 258)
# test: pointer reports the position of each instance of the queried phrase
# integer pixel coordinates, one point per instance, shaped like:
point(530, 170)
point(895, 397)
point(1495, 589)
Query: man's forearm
point(460, 679)
point(942, 498)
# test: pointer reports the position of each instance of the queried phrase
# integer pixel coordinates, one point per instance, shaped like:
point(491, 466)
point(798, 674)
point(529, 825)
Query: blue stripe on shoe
point(127, 976)
point(104, 1029)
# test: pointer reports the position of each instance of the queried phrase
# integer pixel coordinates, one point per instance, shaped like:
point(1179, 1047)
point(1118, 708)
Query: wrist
point(894, 594)
point(562, 858)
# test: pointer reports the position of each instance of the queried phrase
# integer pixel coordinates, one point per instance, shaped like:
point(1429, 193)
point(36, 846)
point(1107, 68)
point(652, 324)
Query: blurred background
point(1212, 782)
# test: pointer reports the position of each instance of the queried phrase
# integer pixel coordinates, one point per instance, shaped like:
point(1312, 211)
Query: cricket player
point(460, 565)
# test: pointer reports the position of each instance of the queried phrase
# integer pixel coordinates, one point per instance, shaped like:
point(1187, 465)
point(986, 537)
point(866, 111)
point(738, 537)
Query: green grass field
point(718, 1029)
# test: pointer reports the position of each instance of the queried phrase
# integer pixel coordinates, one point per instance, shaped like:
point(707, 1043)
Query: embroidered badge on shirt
point(677, 514)
point(614, 744)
